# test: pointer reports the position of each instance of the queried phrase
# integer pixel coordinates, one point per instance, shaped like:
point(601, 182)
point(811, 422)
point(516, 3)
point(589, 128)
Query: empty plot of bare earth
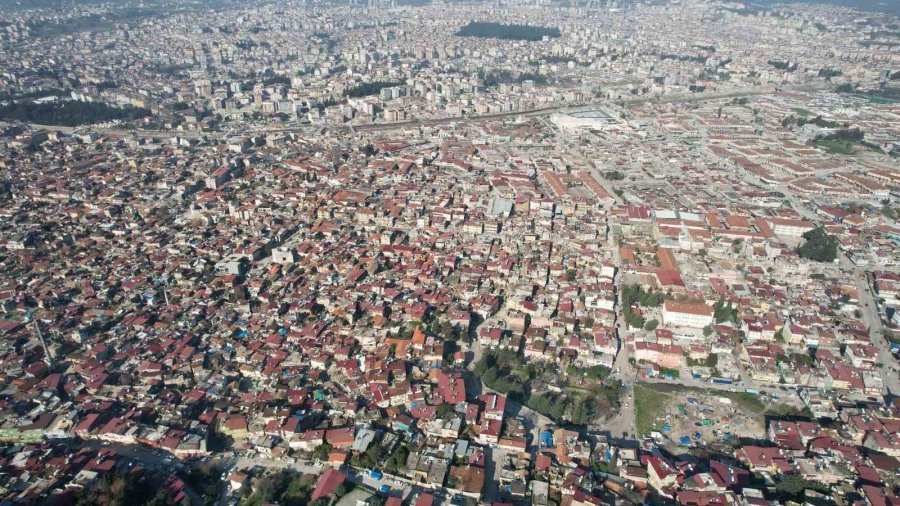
point(692, 417)
point(356, 495)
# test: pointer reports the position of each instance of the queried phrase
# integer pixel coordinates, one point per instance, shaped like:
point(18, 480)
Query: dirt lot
point(678, 412)
point(351, 498)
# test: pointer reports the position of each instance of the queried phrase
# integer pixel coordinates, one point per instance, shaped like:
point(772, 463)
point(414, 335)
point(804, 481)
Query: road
point(783, 392)
point(400, 486)
point(152, 459)
point(161, 460)
point(533, 422)
point(872, 320)
point(543, 111)
point(303, 467)
point(621, 424)
point(867, 304)
point(699, 97)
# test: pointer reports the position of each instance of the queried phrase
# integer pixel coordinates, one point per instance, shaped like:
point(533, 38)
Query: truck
point(722, 381)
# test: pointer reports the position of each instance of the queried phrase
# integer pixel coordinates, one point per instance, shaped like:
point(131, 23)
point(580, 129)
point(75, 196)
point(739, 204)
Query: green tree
point(115, 489)
point(779, 335)
point(445, 410)
point(69, 113)
point(819, 246)
point(322, 451)
point(509, 32)
point(367, 89)
point(795, 484)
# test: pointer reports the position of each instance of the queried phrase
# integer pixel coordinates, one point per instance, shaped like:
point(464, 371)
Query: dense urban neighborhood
point(389, 253)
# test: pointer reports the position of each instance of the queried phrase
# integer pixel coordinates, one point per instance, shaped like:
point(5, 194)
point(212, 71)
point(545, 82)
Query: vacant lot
point(351, 499)
point(835, 147)
point(702, 416)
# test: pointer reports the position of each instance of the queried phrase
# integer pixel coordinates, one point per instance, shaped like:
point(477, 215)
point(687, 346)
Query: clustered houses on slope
point(319, 299)
point(322, 297)
point(327, 65)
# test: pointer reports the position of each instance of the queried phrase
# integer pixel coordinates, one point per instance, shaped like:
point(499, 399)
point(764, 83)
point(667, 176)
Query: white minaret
point(37, 328)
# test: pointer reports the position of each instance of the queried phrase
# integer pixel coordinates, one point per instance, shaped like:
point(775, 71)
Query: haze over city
point(430, 253)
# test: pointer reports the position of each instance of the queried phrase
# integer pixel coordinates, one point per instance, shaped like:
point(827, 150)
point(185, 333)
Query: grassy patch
point(835, 147)
point(649, 404)
point(597, 372)
point(876, 100)
point(873, 147)
point(802, 112)
point(783, 410)
point(651, 401)
point(508, 372)
point(744, 400)
point(892, 338)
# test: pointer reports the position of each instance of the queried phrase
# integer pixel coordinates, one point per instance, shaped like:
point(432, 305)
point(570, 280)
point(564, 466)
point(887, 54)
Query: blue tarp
point(684, 440)
point(547, 438)
point(667, 428)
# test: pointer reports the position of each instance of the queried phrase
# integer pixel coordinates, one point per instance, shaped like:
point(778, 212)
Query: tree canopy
point(71, 113)
point(632, 294)
point(507, 372)
point(118, 489)
point(508, 32)
point(367, 89)
point(795, 484)
point(287, 487)
point(819, 246)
